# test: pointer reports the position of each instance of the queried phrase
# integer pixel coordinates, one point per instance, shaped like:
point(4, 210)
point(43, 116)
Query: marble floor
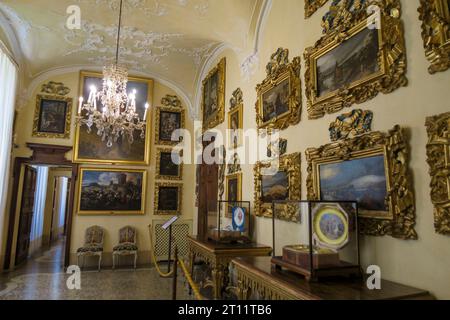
point(42, 277)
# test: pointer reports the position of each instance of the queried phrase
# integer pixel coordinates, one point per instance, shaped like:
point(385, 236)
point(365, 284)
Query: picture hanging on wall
point(234, 191)
point(373, 170)
point(52, 117)
point(357, 58)
point(168, 166)
point(213, 97)
point(169, 118)
point(89, 147)
point(235, 120)
point(111, 191)
point(168, 198)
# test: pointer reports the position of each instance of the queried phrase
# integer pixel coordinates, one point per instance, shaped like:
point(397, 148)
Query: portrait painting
point(275, 102)
point(103, 191)
point(168, 165)
point(52, 117)
point(275, 187)
point(89, 146)
point(213, 97)
point(235, 126)
point(354, 60)
point(168, 198)
point(233, 191)
point(362, 180)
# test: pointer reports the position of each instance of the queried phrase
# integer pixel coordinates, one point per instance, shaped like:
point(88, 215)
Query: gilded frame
point(67, 121)
point(400, 197)
point(158, 175)
point(158, 186)
point(148, 132)
point(117, 213)
point(238, 109)
point(220, 69)
point(438, 153)
point(435, 17)
point(182, 113)
point(391, 58)
point(237, 176)
point(279, 70)
point(292, 165)
point(311, 6)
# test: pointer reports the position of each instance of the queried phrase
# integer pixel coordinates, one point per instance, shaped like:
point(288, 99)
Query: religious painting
point(235, 127)
point(112, 191)
point(234, 191)
point(89, 147)
point(362, 180)
point(278, 180)
point(279, 95)
point(52, 118)
point(168, 198)
point(168, 166)
point(213, 97)
point(371, 169)
point(168, 120)
point(352, 69)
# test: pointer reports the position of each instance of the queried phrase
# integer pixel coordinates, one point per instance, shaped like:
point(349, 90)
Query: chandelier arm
point(118, 31)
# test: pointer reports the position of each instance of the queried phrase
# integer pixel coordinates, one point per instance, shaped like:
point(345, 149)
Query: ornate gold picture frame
point(167, 120)
point(213, 97)
point(435, 17)
point(233, 190)
point(279, 103)
point(52, 117)
point(290, 166)
point(104, 191)
point(168, 198)
point(438, 152)
point(311, 6)
point(89, 147)
point(398, 216)
point(166, 169)
point(357, 58)
point(235, 126)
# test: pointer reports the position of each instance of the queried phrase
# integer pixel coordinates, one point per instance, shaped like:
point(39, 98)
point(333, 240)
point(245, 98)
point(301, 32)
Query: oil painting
point(362, 180)
point(275, 187)
point(170, 121)
point(354, 60)
point(234, 191)
point(235, 126)
point(276, 101)
point(52, 117)
point(105, 191)
point(213, 97)
point(168, 198)
point(168, 166)
point(90, 148)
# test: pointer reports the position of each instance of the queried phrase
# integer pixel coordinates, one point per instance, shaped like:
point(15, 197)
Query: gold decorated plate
point(331, 227)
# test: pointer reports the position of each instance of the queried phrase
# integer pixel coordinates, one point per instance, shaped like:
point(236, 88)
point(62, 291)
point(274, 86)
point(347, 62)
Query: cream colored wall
point(424, 263)
point(111, 223)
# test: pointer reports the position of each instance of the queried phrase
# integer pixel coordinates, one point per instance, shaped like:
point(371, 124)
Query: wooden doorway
point(26, 214)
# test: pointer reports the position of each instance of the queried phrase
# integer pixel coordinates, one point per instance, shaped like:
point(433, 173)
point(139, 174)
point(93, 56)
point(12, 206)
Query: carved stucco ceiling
point(169, 38)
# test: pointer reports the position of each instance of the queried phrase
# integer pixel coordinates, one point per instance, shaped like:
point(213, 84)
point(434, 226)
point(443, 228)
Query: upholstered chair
point(127, 245)
point(93, 245)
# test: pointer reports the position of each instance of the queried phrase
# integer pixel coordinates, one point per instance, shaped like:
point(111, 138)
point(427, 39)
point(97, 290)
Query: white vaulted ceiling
point(167, 39)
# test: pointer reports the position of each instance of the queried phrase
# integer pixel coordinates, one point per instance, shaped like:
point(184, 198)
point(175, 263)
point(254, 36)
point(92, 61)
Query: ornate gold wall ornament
point(215, 113)
point(236, 99)
point(438, 152)
point(235, 164)
point(291, 164)
point(55, 88)
point(351, 124)
point(279, 70)
point(401, 218)
point(435, 17)
point(160, 137)
point(157, 205)
point(171, 101)
point(312, 6)
point(346, 20)
point(159, 175)
point(39, 116)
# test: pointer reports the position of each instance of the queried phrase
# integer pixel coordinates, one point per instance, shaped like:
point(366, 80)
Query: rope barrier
point(155, 262)
point(191, 282)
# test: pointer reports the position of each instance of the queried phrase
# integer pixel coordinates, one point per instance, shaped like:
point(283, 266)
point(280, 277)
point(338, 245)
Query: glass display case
point(232, 222)
point(321, 239)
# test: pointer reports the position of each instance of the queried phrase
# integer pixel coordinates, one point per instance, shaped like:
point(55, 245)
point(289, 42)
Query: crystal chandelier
point(117, 117)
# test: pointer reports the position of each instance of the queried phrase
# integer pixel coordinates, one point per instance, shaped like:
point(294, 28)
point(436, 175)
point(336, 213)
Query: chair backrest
point(127, 235)
point(94, 236)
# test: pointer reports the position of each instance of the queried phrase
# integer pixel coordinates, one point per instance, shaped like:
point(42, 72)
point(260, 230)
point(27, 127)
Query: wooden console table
point(218, 257)
point(255, 275)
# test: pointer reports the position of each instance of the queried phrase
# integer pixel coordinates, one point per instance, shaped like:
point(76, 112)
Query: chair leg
point(99, 262)
point(135, 260)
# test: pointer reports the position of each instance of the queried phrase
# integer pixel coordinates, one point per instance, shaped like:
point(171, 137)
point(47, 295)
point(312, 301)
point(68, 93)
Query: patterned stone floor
point(43, 278)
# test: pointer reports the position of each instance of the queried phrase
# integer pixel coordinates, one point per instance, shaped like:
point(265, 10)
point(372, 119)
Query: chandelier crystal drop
point(117, 117)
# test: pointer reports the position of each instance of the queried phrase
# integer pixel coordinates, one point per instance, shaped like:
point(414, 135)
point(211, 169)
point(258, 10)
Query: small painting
point(234, 191)
point(362, 180)
point(105, 191)
point(275, 187)
point(52, 117)
point(355, 60)
point(169, 122)
point(213, 99)
point(168, 165)
point(275, 102)
point(331, 226)
point(235, 127)
point(167, 198)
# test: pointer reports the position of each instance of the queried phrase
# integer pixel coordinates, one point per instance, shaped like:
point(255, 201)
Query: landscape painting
point(89, 147)
point(112, 191)
point(275, 102)
point(275, 187)
point(362, 180)
point(353, 60)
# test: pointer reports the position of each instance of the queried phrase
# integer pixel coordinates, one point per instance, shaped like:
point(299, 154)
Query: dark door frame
point(43, 154)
